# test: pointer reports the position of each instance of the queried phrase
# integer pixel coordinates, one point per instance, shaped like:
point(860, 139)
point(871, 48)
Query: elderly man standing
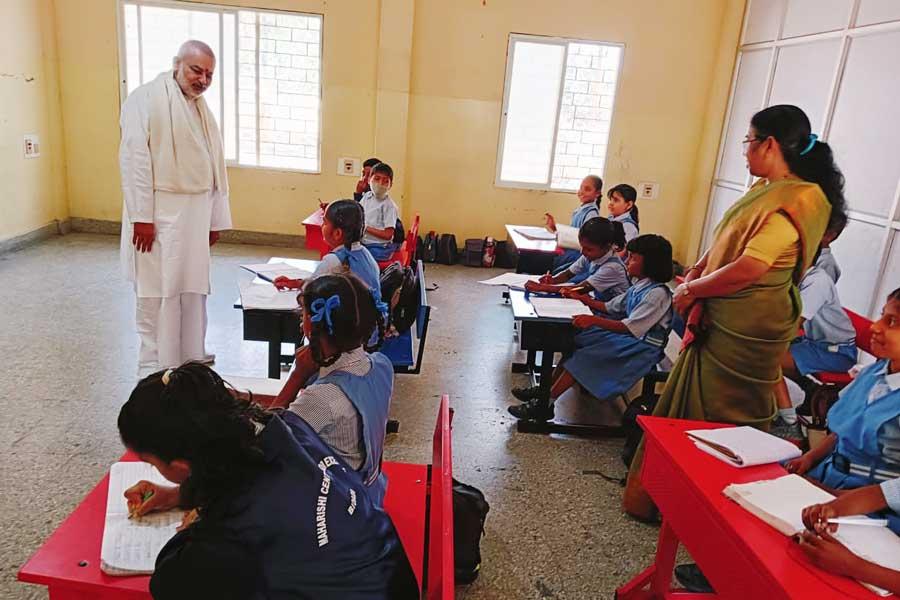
point(176, 202)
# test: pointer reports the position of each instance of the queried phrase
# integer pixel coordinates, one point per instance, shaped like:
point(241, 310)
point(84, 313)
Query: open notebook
point(743, 446)
point(514, 281)
point(567, 237)
point(130, 546)
point(269, 271)
point(535, 233)
point(558, 308)
point(780, 503)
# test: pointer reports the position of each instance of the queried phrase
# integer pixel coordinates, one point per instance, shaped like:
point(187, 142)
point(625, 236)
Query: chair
point(401, 349)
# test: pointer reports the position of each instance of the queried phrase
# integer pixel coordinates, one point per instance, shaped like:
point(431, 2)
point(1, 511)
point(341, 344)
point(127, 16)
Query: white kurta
point(172, 280)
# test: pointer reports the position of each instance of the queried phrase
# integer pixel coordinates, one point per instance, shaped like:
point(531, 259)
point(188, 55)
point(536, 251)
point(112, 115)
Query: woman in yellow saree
point(741, 298)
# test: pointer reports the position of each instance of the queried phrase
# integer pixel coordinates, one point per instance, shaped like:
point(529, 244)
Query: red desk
point(535, 256)
point(69, 561)
point(740, 555)
point(313, 231)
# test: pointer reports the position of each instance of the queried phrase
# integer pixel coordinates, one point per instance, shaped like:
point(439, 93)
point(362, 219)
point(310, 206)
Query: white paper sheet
point(269, 271)
point(754, 447)
point(567, 237)
point(267, 297)
point(515, 281)
point(559, 308)
point(130, 546)
point(535, 233)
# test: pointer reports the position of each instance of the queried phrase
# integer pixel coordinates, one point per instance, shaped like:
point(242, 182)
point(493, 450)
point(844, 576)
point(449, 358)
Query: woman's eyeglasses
point(745, 143)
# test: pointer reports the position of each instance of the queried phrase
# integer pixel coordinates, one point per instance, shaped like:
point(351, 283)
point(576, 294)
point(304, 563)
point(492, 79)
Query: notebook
point(780, 503)
point(535, 233)
point(269, 271)
point(558, 308)
point(567, 237)
point(515, 281)
point(130, 546)
point(743, 446)
point(267, 297)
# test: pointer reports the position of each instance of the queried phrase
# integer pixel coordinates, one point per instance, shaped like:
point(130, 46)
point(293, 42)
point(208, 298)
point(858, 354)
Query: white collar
point(356, 246)
point(344, 360)
point(891, 379)
point(621, 217)
point(597, 261)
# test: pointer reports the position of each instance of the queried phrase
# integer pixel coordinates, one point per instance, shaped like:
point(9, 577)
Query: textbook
point(130, 546)
point(743, 446)
point(780, 503)
point(567, 237)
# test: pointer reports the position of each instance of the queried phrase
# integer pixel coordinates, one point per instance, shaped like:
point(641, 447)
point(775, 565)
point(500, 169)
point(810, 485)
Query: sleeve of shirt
point(891, 491)
point(814, 292)
point(609, 275)
point(312, 406)
point(648, 313)
point(389, 216)
point(631, 231)
point(135, 164)
point(776, 237)
point(580, 265)
point(616, 306)
point(221, 569)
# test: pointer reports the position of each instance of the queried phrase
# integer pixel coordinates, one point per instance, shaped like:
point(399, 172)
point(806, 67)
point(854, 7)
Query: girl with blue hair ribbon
point(338, 385)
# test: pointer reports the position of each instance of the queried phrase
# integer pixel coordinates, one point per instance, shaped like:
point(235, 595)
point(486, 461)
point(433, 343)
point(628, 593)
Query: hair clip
point(812, 142)
point(322, 309)
point(166, 376)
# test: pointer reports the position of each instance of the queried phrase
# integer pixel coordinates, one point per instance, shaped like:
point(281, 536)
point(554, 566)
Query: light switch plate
point(648, 191)
point(350, 167)
point(31, 147)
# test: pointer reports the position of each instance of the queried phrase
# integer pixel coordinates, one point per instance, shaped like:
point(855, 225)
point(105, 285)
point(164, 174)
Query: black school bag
point(399, 232)
point(470, 510)
point(447, 251)
point(400, 290)
point(640, 406)
point(429, 247)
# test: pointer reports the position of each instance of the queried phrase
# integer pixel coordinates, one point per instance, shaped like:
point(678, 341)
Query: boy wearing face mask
point(381, 213)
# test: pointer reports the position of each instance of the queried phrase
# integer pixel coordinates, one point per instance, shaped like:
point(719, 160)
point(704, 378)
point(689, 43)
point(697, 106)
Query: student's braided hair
point(601, 231)
point(352, 321)
point(350, 217)
point(190, 413)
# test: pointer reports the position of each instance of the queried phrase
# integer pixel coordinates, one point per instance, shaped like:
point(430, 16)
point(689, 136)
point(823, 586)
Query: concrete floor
point(69, 350)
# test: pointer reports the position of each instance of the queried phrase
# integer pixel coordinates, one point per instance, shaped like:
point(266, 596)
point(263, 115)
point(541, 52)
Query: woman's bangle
point(693, 268)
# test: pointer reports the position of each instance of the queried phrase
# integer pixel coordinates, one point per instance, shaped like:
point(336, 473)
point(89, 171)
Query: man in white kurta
point(176, 201)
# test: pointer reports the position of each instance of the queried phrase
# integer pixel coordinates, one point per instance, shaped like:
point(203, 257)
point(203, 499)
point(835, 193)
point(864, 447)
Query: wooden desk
point(548, 336)
point(742, 556)
point(312, 226)
point(535, 256)
point(276, 326)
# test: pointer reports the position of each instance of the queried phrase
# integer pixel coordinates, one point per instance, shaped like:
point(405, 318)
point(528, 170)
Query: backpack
point(429, 247)
point(642, 405)
point(470, 510)
point(813, 413)
point(400, 290)
point(420, 249)
point(399, 232)
point(473, 252)
point(447, 252)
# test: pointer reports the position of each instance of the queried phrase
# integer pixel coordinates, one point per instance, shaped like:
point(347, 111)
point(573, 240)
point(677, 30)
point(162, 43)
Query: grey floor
point(69, 351)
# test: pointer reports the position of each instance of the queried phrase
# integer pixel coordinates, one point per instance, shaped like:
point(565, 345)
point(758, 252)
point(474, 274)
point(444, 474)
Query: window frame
point(221, 9)
point(504, 107)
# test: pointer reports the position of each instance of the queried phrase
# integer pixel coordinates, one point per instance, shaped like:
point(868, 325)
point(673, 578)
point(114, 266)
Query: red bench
point(69, 561)
point(406, 253)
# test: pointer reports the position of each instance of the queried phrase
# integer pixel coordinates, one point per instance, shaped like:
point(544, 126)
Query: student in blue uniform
point(836, 224)
point(828, 342)
point(623, 208)
point(623, 340)
point(589, 194)
point(863, 447)
point(599, 269)
point(381, 213)
point(342, 391)
point(275, 513)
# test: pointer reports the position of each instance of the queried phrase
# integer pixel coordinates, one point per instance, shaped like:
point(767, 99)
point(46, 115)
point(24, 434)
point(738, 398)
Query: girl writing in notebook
point(598, 269)
point(340, 389)
point(623, 340)
point(589, 194)
point(255, 480)
point(623, 208)
point(829, 554)
point(863, 447)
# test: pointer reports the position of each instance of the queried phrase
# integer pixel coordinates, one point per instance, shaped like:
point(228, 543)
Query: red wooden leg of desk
point(659, 575)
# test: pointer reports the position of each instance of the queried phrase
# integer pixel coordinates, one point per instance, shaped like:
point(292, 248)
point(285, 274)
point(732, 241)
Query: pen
point(144, 497)
point(265, 278)
point(858, 521)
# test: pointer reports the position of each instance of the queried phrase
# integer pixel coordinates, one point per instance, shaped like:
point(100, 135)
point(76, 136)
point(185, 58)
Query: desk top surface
point(298, 263)
point(760, 544)
point(71, 555)
point(523, 244)
point(524, 311)
point(315, 219)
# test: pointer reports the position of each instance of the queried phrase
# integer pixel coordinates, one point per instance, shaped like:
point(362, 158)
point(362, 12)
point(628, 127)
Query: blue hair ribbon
point(322, 309)
point(812, 142)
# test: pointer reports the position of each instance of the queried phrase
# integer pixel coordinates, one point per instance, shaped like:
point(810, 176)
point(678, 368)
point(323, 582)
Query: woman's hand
point(146, 497)
point(828, 554)
point(815, 517)
point(584, 321)
point(801, 464)
point(551, 222)
point(286, 283)
point(683, 299)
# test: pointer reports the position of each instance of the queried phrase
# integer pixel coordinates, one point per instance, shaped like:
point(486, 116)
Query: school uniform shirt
point(628, 224)
point(302, 527)
point(824, 317)
point(330, 412)
point(584, 213)
point(609, 277)
point(889, 433)
point(654, 309)
point(828, 263)
point(891, 491)
point(380, 214)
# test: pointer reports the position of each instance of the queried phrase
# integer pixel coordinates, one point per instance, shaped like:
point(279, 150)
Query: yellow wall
point(438, 123)
point(459, 60)
point(34, 189)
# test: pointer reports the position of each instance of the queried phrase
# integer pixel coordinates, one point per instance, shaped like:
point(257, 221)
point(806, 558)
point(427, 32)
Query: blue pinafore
point(363, 265)
point(608, 364)
point(580, 215)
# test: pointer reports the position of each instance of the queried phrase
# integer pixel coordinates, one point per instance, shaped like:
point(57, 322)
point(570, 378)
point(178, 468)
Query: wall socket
point(32, 145)
point(648, 191)
point(349, 166)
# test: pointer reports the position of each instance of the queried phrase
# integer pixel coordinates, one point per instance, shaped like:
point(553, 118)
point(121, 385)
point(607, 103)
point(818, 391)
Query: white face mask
point(379, 189)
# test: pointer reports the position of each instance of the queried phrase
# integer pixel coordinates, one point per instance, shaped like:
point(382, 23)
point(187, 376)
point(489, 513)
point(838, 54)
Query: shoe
point(692, 579)
point(526, 394)
point(784, 430)
point(532, 411)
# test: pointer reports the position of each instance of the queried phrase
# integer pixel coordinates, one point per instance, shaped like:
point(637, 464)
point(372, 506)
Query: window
point(557, 110)
point(266, 93)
